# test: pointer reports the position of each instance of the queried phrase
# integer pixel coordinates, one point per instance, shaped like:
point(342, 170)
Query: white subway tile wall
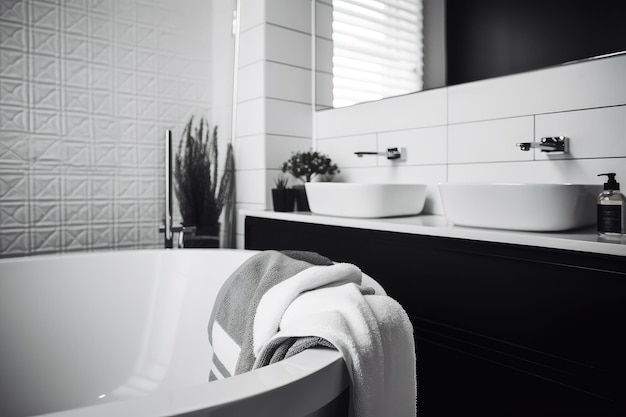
point(411, 111)
point(460, 133)
point(424, 146)
point(274, 115)
point(278, 148)
point(599, 132)
point(342, 150)
point(86, 92)
point(468, 133)
point(571, 87)
point(490, 141)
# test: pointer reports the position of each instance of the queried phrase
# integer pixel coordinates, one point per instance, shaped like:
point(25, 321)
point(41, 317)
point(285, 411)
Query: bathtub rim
point(245, 394)
point(249, 393)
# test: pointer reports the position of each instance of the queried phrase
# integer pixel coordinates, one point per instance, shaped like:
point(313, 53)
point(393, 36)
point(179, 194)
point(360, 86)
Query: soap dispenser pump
point(611, 213)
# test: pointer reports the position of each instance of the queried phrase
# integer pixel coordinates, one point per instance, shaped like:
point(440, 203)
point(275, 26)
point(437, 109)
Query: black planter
point(302, 202)
point(284, 199)
point(207, 238)
point(201, 241)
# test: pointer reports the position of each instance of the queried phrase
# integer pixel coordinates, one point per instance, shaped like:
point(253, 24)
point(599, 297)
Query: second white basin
point(527, 207)
point(346, 199)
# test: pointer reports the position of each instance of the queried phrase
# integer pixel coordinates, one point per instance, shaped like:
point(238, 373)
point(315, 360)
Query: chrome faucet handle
point(182, 230)
point(554, 144)
point(393, 153)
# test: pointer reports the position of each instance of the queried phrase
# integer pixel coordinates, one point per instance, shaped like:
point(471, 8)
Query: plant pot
point(201, 241)
point(302, 202)
point(284, 199)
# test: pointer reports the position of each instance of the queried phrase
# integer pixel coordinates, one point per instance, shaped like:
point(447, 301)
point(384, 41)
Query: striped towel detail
point(230, 328)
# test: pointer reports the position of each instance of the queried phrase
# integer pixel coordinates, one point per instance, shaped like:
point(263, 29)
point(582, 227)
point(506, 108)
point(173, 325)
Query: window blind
point(377, 49)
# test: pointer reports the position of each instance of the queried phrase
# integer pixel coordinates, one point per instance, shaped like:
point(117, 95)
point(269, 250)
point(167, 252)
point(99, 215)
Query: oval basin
point(346, 199)
point(519, 206)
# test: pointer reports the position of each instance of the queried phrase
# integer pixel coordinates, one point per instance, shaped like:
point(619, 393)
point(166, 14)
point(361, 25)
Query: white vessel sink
point(528, 207)
point(346, 199)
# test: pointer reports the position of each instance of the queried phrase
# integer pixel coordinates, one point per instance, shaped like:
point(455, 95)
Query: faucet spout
point(391, 153)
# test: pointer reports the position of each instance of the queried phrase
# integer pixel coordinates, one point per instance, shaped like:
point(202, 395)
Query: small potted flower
point(283, 197)
point(305, 166)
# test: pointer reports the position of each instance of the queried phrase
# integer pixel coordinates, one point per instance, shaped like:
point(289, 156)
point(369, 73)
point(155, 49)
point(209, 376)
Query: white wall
point(274, 98)
point(468, 132)
point(461, 133)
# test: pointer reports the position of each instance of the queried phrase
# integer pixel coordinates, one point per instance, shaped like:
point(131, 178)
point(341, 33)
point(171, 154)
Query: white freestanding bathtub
point(125, 334)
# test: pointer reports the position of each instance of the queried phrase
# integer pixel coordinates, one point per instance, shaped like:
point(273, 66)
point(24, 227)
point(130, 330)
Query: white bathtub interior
point(125, 333)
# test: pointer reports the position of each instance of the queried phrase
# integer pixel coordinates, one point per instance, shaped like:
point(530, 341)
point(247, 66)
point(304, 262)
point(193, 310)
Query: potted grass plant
point(283, 197)
point(201, 194)
point(306, 166)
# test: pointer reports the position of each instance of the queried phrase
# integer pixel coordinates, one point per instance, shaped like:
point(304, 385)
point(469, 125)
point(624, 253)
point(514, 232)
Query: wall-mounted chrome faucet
point(392, 153)
point(555, 144)
point(167, 228)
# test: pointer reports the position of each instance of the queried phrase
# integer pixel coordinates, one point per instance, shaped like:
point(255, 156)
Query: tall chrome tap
point(167, 228)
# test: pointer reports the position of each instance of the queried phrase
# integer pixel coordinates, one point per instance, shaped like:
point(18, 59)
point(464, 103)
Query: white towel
point(276, 300)
point(372, 332)
point(231, 323)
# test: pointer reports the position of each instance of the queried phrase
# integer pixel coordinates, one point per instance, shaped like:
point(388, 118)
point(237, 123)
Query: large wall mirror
point(367, 50)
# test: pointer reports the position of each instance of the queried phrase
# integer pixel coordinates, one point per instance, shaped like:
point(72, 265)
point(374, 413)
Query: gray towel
point(233, 313)
point(283, 348)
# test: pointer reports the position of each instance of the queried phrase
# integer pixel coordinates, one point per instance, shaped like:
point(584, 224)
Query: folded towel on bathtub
point(373, 333)
point(278, 304)
point(231, 322)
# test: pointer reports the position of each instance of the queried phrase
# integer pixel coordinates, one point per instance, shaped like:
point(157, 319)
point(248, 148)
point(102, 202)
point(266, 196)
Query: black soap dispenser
point(611, 213)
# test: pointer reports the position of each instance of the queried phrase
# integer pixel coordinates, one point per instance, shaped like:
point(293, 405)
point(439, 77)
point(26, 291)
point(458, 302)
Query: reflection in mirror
point(456, 41)
point(377, 49)
point(367, 50)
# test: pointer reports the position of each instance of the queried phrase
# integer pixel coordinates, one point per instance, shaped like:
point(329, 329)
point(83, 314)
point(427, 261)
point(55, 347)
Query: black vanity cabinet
point(500, 330)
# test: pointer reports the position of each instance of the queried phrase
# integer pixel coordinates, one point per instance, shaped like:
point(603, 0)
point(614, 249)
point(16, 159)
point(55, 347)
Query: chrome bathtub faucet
point(167, 228)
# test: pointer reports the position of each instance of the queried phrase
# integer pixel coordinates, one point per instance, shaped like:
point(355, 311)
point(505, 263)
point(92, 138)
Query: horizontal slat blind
point(377, 49)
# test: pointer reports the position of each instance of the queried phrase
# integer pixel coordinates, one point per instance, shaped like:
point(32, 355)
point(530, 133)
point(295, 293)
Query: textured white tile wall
point(86, 91)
